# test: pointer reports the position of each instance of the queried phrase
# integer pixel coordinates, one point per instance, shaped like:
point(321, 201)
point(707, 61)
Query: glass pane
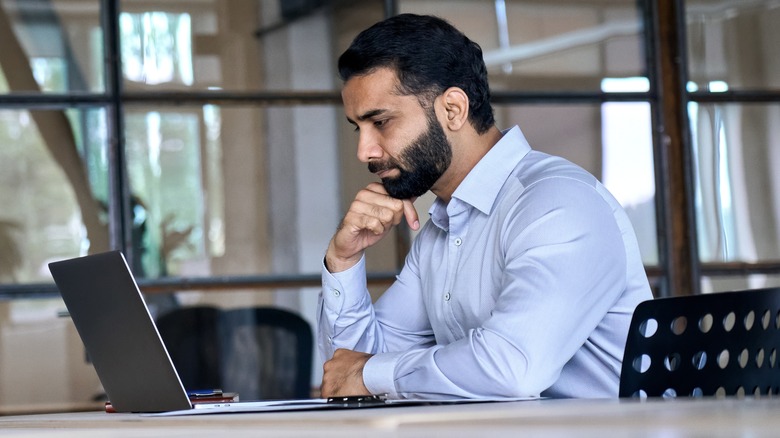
point(51, 46)
point(594, 137)
point(240, 45)
point(45, 368)
point(736, 151)
point(733, 44)
point(533, 45)
point(232, 190)
point(53, 186)
point(725, 284)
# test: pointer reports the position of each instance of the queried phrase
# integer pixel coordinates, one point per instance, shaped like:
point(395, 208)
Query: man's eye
point(379, 123)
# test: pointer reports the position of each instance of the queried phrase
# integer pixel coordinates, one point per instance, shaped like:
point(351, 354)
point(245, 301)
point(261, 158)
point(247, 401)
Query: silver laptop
point(119, 334)
point(122, 340)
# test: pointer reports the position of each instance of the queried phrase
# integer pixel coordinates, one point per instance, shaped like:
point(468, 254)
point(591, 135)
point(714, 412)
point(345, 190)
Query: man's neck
point(467, 151)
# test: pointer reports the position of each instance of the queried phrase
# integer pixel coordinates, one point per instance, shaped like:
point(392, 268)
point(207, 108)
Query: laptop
point(122, 341)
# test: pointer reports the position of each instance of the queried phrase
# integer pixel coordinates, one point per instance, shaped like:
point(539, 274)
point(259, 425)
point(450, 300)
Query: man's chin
point(391, 189)
point(400, 192)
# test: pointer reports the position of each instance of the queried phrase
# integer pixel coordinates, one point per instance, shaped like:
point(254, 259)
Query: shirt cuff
point(379, 374)
point(335, 285)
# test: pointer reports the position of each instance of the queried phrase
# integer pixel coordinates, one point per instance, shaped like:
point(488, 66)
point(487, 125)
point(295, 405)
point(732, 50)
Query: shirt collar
point(481, 186)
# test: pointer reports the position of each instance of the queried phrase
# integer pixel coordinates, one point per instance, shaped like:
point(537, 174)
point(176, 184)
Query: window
point(732, 88)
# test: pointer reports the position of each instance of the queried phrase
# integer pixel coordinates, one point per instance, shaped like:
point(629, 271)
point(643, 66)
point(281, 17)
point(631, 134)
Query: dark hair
point(429, 55)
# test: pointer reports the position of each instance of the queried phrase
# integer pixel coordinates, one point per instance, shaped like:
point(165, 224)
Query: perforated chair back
point(714, 344)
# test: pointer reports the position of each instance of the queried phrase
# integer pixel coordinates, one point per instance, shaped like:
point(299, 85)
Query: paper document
point(316, 404)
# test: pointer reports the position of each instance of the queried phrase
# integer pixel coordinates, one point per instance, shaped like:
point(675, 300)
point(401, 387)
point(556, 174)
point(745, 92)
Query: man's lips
point(383, 170)
point(387, 173)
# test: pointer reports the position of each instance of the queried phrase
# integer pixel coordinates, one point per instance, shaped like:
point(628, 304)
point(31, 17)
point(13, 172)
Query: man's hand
point(343, 374)
point(371, 216)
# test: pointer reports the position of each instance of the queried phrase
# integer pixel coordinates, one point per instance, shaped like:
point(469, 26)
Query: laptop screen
point(119, 334)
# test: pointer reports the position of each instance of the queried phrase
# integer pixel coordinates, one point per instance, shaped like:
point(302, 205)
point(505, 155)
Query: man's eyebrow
point(371, 113)
point(367, 115)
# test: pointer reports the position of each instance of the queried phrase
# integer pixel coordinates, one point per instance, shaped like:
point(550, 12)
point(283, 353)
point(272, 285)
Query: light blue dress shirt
point(523, 285)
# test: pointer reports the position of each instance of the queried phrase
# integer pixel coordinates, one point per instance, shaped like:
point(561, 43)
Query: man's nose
point(368, 148)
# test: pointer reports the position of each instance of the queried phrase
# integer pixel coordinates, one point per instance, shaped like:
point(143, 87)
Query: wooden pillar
point(679, 233)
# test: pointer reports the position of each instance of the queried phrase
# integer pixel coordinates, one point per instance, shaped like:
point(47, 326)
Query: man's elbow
point(519, 379)
point(525, 385)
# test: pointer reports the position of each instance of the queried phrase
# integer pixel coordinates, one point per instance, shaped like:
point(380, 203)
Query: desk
point(549, 418)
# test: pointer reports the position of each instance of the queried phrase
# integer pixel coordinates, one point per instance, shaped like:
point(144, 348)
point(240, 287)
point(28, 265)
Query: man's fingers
point(370, 217)
point(383, 208)
point(384, 199)
point(411, 214)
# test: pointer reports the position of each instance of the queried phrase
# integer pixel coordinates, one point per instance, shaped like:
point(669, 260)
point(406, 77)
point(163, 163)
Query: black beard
point(425, 160)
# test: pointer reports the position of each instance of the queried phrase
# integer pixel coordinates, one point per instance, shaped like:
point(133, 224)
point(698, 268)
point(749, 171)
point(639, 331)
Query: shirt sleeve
point(564, 267)
point(345, 311)
point(347, 317)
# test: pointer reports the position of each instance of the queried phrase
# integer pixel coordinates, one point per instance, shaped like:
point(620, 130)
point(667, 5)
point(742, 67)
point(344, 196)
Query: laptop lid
point(119, 334)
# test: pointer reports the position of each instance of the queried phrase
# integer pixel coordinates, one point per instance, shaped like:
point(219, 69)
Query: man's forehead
point(377, 81)
point(376, 90)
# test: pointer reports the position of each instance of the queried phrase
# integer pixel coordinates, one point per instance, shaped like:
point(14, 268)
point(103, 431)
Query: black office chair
point(190, 335)
point(705, 345)
point(259, 353)
point(267, 354)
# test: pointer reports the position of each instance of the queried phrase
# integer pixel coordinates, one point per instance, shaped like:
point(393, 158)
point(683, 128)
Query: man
point(524, 280)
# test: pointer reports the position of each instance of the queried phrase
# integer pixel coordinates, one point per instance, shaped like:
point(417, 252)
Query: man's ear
point(455, 106)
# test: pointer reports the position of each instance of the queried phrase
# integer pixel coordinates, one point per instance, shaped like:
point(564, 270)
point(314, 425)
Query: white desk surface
point(549, 418)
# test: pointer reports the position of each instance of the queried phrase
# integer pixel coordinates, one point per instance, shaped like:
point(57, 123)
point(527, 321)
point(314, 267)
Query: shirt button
point(458, 241)
point(330, 340)
point(336, 292)
point(447, 296)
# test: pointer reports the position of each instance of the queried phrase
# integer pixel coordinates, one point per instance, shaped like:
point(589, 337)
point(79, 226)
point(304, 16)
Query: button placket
point(458, 215)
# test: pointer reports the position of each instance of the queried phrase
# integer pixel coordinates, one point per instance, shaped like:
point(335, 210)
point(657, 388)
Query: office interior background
point(206, 140)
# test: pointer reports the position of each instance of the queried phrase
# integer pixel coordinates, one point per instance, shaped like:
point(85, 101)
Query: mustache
point(379, 166)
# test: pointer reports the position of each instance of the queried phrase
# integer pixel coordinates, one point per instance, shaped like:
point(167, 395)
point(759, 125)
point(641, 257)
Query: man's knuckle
point(376, 211)
point(374, 223)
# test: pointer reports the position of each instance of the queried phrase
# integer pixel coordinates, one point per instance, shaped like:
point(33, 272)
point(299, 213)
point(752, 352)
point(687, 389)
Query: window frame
point(679, 271)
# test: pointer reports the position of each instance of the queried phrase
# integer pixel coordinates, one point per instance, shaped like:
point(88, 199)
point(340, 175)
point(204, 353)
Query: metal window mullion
point(119, 214)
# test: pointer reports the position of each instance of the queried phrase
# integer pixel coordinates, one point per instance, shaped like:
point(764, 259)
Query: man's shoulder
point(537, 167)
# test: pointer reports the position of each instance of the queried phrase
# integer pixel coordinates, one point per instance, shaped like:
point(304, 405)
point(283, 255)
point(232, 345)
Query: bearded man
point(524, 280)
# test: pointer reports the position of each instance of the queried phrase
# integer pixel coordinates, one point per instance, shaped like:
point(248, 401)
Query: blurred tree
point(56, 132)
